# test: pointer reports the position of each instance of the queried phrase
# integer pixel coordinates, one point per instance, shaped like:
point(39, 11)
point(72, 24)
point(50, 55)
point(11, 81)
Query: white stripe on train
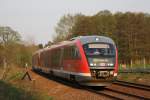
point(73, 73)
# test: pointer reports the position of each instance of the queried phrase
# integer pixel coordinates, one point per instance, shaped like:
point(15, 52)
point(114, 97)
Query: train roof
point(82, 39)
point(89, 39)
point(40, 50)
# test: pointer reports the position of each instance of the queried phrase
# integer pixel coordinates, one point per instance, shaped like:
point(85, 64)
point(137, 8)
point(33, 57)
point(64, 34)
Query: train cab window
point(99, 49)
point(100, 54)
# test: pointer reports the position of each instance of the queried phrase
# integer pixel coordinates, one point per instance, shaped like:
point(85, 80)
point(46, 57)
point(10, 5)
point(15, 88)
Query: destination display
point(98, 46)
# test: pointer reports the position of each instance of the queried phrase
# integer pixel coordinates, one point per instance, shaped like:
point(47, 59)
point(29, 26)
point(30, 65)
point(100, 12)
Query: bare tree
point(64, 26)
point(8, 35)
point(7, 38)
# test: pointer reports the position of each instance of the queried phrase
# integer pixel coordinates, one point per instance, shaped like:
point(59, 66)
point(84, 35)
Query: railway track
point(101, 92)
point(107, 92)
point(125, 95)
point(119, 95)
point(132, 85)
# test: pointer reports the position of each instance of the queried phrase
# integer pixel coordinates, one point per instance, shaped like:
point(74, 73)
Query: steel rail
point(132, 85)
point(100, 92)
point(127, 94)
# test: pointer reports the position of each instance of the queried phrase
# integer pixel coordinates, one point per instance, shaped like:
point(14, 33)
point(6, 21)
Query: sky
point(36, 20)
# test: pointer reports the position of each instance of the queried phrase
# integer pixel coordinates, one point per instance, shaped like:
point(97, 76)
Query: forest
point(13, 50)
point(129, 30)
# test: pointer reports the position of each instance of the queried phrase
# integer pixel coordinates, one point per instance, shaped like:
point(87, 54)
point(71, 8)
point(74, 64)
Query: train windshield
point(100, 54)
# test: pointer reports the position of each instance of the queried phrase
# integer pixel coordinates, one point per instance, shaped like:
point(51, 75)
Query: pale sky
point(35, 19)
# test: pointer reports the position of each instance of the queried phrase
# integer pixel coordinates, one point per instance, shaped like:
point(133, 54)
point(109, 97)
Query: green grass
point(13, 88)
point(15, 76)
point(135, 66)
point(135, 77)
point(9, 92)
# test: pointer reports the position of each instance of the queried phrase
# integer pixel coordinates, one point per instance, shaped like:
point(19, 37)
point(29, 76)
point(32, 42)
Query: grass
point(134, 66)
point(15, 76)
point(13, 88)
point(142, 78)
point(10, 92)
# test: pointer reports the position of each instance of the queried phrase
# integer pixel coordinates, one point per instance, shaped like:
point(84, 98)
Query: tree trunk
point(131, 64)
point(4, 71)
point(144, 62)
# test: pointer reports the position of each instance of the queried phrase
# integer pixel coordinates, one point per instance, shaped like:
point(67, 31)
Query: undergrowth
point(13, 88)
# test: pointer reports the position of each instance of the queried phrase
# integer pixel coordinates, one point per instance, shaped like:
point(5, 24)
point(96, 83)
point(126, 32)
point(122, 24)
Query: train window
point(55, 56)
point(47, 59)
point(71, 52)
point(100, 54)
point(42, 59)
point(66, 53)
point(76, 53)
point(34, 60)
point(99, 49)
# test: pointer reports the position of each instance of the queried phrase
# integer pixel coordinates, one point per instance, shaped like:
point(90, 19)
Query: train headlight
point(111, 72)
point(97, 39)
point(91, 64)
point(110, 64)
point(115, 74)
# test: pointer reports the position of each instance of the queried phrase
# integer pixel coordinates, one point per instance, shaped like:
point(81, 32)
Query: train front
point(101, 56)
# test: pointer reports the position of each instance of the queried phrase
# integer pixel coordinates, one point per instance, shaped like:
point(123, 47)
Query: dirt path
point(62, 92)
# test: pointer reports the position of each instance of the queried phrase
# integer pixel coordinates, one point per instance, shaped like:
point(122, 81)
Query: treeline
point(130, 31)
point(13, 51)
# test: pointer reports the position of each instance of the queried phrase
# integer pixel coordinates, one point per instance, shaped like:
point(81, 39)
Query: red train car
point(89, 60)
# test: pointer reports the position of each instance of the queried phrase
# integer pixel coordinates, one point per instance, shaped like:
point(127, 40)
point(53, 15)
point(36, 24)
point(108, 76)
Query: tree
point(8, 35)
point(8, 38)
point(48, 44)
point(129, 30)
point(40, 46)
point(83, 26)
point(24, 54)
point(132, 33)
point(102, 23)
point(64, 27)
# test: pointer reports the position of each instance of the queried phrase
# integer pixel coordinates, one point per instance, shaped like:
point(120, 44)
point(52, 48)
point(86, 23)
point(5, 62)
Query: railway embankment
point(135, 76)
point(13, 88)
point(43, 87)
point(11, 92)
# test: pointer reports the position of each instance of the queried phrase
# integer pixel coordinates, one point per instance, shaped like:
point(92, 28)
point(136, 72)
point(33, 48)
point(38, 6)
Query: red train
point(88, 60)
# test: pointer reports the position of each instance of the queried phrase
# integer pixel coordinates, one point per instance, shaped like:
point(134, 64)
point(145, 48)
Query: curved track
point(124, 95)
point(115, 94)
point(132, 85)
point(111, 93)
